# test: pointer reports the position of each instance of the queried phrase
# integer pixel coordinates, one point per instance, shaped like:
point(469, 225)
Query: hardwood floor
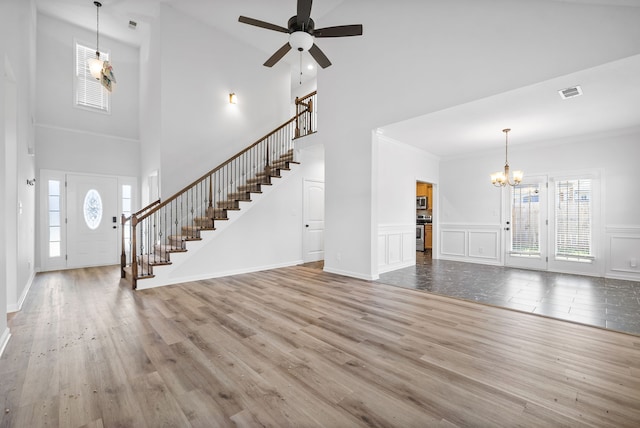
point(303, 348)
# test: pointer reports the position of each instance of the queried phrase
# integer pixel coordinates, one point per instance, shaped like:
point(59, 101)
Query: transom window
point(89, 92)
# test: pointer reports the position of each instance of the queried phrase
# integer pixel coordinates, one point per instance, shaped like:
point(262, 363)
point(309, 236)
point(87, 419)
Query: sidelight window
point(54, 218)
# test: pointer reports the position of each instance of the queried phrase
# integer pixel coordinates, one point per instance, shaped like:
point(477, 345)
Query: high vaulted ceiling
point(536, 113)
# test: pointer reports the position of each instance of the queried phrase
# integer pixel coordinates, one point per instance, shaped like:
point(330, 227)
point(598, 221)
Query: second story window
point(88, 91)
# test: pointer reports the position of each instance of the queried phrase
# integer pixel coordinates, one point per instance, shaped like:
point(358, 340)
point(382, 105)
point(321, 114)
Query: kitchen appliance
point(424, 219)
point(419, 237)
point(421, 203)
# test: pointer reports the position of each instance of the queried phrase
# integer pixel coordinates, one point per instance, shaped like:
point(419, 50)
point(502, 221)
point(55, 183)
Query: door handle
point(306, 225)
point(506, 228)
point(115, 227)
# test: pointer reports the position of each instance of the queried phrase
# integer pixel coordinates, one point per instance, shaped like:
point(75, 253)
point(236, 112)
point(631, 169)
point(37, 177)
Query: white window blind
point(89, 91)
point(525, 220)
point(573, 215)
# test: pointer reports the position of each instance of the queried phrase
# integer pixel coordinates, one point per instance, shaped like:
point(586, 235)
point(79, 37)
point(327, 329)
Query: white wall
point(17, 53)
point(469, 203)
point(445, 59)
point(55, 82)
point(397, 168)
point(74, 139)
point(200, 66)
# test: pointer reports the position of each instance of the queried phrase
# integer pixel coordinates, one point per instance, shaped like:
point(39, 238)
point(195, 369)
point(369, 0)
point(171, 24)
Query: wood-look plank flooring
point(302, 348)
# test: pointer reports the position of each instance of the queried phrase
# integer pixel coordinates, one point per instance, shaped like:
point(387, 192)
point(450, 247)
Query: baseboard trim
point(213, 275)
point(4, 339)
point(18, 306)
point(352, 274)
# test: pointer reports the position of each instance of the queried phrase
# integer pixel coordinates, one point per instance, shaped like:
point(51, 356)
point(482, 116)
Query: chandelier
point(501, 178)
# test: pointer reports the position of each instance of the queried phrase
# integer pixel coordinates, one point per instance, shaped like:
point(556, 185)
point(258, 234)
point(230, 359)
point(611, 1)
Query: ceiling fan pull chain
point(301, 67)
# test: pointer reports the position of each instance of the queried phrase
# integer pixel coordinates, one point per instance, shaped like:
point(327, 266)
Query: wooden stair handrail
point(214, 170)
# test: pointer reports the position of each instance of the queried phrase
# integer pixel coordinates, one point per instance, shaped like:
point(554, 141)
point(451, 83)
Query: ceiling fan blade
point(339, 31)
point(319, 56)
point(278, 55)
point(262, 24)
point(304, 12)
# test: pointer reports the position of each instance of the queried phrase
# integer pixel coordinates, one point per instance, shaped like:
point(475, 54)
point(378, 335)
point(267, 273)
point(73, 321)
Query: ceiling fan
point(301, 33)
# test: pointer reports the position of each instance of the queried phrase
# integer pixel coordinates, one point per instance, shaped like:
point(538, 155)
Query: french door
point(552, 224)
point(527, 225)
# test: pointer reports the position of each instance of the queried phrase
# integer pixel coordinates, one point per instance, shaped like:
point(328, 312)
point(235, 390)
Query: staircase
point(151, 235)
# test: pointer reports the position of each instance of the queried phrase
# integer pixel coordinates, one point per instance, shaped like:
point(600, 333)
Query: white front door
point(92, 220)
point(313, 213)
point(527, 225)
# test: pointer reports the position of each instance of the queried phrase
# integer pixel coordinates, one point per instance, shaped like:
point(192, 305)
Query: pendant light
point(501, 178)
point(101, 70)
point(95, 64)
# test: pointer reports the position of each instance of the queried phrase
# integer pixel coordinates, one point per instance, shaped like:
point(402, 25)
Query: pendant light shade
point(95, 67)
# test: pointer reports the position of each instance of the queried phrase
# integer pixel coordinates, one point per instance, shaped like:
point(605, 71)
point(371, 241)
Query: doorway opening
point(424, 220)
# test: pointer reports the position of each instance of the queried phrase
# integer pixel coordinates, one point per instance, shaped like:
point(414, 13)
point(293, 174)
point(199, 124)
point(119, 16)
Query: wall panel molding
point(396, 246)
point(472, 243)
point(622, 252)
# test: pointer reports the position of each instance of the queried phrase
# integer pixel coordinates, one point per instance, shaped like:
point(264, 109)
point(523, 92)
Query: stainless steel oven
point(419, 237)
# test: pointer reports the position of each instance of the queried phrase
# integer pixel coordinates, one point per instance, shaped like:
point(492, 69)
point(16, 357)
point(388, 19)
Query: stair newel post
point(134, 262)
point(123, 254)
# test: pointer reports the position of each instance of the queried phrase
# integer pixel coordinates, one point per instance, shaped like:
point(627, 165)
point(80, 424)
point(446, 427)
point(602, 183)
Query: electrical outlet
point(338, 257)
point(633, 262)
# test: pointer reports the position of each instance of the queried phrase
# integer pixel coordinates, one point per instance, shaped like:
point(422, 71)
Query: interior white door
point(313, 216)
point(92, 233)
point(527, 225)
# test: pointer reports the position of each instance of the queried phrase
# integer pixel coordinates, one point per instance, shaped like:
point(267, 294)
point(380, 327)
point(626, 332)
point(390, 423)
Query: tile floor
point(607, 303)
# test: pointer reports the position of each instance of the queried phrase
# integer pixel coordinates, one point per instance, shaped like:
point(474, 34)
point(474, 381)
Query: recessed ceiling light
point(310, 67)
point(571, 92)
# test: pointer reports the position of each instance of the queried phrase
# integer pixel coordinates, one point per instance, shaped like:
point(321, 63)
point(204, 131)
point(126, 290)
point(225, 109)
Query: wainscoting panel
point(623, 252)
point(396, 247)
point(453, 242)
point(484, 244)
point(473, 243)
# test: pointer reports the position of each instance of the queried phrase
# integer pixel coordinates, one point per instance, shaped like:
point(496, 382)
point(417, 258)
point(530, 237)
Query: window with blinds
point(573, 215)
point(89, 92)
point(525, 220)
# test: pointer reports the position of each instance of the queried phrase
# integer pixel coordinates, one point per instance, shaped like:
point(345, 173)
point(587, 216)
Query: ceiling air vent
point(573, 91)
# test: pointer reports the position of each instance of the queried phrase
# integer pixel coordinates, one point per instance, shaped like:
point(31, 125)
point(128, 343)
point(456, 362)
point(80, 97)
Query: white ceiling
point(536, 113)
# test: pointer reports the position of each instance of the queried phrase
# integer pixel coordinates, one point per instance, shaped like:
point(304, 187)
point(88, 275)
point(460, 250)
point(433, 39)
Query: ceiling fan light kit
point(302, 32)
point(300, 41)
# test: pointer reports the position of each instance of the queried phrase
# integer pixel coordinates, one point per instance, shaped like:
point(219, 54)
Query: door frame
point(305, 181)
point(46, 263)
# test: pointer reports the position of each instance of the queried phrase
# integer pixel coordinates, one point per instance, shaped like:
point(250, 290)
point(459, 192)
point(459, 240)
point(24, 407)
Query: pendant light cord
point(98, 5)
